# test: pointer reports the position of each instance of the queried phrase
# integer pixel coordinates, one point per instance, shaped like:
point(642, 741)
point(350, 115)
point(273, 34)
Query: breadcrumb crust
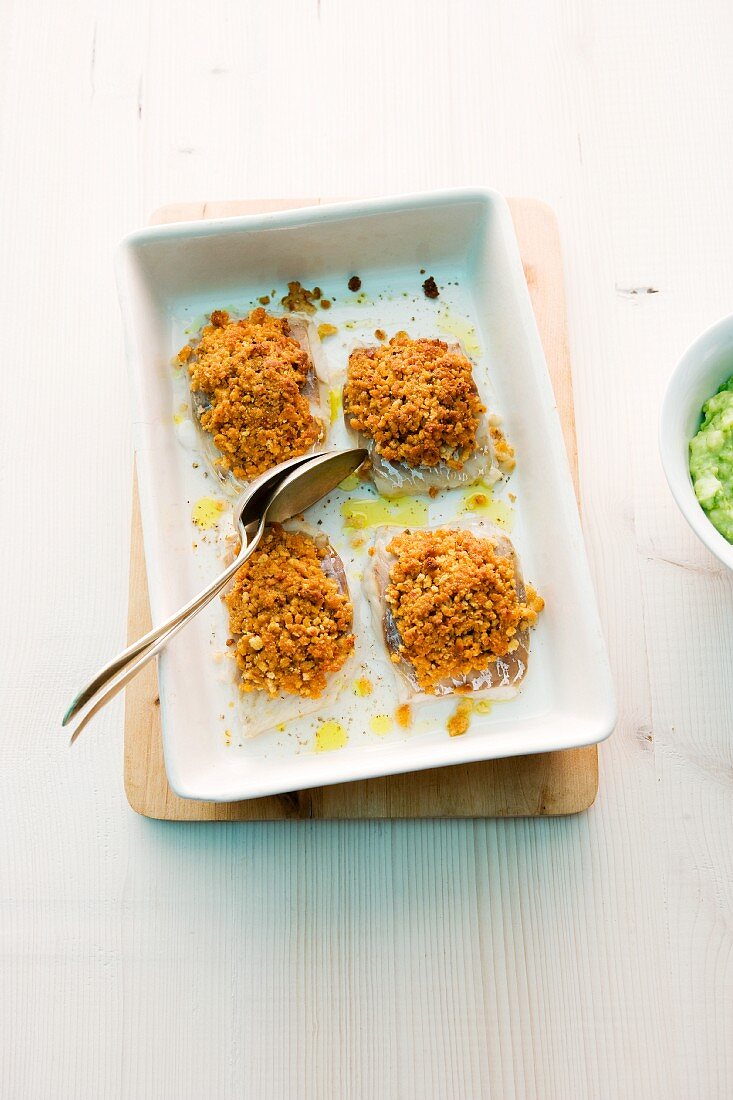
point(455, 603)
point(253, 371)
point(416, 399)
point(291, 621)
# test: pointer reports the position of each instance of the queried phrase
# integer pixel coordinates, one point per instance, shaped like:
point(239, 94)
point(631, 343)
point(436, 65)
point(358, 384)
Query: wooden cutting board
point(545, 784)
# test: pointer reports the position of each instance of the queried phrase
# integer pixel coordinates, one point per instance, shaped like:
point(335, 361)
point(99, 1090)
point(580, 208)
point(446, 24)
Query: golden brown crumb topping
point(416, 399)
point(292, 622)
point(454, 600)
point(253, 372)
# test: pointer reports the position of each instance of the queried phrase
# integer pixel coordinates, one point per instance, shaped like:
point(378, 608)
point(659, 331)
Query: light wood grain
point(541, 785)
point(579, 958)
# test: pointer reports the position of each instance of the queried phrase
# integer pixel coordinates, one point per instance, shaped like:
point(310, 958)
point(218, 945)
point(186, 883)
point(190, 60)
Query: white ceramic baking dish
point(169, 278)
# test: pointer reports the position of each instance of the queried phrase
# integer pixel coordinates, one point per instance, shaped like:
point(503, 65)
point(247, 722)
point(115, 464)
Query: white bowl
point(704, 366)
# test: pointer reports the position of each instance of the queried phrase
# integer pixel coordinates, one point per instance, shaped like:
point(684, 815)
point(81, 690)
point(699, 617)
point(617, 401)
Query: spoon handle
point(151, 643)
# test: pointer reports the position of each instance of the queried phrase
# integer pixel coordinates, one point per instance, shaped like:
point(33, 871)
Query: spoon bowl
point(252, 502)
point(304, 486)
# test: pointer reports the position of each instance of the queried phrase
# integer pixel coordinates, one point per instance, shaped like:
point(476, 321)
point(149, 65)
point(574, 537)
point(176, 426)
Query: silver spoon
point(278, 495)
point(248, 509)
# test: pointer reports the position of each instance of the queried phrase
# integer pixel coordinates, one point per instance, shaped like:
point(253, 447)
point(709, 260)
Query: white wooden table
point(579, 958)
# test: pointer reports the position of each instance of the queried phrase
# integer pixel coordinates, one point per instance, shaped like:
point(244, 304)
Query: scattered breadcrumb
point(380, 334)
point(416, 399)
point(354, 283)
point(253, 372)
point(291, 622)
point(325, 330)
point(503, 451)
point(430, 288)
point(455, 603)
point(403, 716)
point(264, 300)
point(460, 720)
point(300, 300)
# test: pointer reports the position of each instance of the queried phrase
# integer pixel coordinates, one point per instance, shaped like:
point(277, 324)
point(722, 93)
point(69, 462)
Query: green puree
point(711, 460)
